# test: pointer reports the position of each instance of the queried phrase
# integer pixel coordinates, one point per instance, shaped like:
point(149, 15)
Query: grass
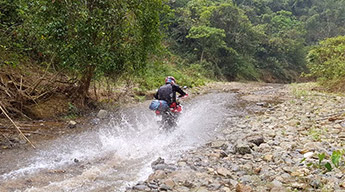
point(315, 134)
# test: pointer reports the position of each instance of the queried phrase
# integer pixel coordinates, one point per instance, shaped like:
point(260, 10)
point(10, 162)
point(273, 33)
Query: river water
point(117, 153)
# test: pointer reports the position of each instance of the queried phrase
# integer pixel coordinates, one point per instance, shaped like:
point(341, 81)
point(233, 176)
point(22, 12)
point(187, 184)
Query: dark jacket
point(167, 93)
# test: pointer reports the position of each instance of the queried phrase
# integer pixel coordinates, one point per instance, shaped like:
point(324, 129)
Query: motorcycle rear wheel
point(168, 122)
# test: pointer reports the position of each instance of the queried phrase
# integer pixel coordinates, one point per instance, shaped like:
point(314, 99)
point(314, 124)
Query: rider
point(168, 91)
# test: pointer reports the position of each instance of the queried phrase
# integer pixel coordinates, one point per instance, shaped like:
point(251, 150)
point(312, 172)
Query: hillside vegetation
point(74, 49)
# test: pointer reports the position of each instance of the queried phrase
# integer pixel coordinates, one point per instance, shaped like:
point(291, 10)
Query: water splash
point(119, 152)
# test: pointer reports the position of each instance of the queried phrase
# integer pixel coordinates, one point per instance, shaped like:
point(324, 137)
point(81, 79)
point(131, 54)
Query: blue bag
point(159, 105)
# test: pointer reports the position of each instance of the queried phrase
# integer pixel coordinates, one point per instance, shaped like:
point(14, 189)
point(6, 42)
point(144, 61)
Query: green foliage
point(336, 159)
point(327, 60)
point(86, 38)
point(321, 157)
point(252, 39)
point(246, 40)
point(109, 36)
point(190, 76)
point(73, 111)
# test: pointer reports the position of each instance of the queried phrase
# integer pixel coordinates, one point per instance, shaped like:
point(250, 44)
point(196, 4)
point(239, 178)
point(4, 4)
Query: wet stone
point(219, 144)
point(141, 187)
point(257, 140)
point(152, 186)
point(164, 188)
point(102, 114)
point(159, 160)
point(242, 148)
point(158, 174)
point(223, 172)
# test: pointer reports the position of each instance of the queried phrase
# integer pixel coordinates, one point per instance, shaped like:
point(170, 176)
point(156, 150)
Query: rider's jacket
point(167, 93)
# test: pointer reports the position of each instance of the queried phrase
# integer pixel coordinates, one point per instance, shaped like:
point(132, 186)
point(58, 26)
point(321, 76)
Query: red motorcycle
point(169, 114)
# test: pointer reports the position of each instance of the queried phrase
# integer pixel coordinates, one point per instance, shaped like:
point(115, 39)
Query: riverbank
point(292, 141)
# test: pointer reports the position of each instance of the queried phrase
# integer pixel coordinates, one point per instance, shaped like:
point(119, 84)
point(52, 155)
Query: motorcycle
point(169, 114)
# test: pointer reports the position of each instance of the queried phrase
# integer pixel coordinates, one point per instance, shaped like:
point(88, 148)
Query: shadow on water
point(118, 153)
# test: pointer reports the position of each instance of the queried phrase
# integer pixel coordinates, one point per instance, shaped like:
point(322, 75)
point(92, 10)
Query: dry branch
point(20, 132)
point(23, 87)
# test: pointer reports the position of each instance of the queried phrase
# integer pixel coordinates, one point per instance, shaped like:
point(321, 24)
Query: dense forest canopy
point(253, 39)
point(223, 39)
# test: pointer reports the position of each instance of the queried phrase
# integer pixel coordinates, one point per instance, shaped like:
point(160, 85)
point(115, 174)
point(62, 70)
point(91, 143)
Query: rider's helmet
point(170, 80)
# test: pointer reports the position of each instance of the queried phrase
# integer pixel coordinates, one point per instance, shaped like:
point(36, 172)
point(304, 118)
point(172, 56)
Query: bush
point(327, 60)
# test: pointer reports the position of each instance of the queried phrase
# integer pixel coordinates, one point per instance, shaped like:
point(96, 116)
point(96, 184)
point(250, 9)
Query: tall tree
point(94, 36)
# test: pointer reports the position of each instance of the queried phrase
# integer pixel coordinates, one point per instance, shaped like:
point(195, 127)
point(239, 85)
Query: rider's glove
point(184, 96)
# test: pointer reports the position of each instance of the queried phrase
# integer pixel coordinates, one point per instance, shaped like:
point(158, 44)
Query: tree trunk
point(202, 56)
point(85, 82)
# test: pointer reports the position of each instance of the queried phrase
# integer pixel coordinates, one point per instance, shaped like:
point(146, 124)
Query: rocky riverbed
point(291, 139)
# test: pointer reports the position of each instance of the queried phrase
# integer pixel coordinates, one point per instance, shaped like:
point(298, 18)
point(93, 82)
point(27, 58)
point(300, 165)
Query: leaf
point(328, 166)
point(302, 160)
point(336, 155)
point(321, 157)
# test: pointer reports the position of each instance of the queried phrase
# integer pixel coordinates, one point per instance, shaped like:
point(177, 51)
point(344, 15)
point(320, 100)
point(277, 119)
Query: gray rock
point(152, 186)
point(286, 177)
point(257, 140)
point(141, 187)
point(72, 124)
point(235, 168)
point(159, 160)
point(164, 188)
point(170, 183)
point(246, 179)
point(158, 174)
point(188, 184)
point(315, 183)
point(215, 186)
point(219, 144)
point(233, 183)
point(277, 183)
point(224, 172)
point(242, 148)
point(102, 114)
point(264, 147)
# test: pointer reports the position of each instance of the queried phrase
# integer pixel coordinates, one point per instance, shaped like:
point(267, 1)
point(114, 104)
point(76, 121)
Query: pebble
point(102, 114)
point(242, 148)
point(72, 124)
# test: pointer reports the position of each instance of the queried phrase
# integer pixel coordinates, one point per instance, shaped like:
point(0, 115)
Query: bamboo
point(20, 132)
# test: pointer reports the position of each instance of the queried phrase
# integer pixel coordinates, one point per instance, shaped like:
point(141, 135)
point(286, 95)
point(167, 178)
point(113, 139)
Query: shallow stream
point(118, 152)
